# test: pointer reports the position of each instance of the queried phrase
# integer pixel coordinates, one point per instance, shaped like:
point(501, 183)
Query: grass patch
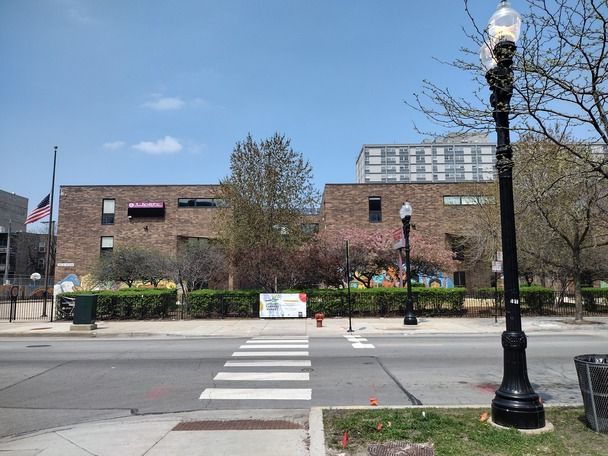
point(459, 432)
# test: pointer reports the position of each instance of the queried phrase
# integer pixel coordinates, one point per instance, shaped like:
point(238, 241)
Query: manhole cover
point(235, 425)
point(401, 448)
point(36, 346)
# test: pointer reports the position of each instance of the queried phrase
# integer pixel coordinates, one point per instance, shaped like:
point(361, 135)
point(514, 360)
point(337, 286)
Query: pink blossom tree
point(371, 253)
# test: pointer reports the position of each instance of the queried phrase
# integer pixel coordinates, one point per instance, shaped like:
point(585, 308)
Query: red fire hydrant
point(319, 316)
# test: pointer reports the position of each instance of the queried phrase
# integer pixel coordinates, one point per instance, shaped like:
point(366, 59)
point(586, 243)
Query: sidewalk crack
point(74, 443)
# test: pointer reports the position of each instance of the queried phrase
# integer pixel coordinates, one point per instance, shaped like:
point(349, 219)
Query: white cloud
point(165, 104)
point(114, 145)
point(166, 145)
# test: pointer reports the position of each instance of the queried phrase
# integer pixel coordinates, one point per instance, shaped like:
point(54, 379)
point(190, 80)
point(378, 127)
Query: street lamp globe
point(487, 57)
point(504, 25)
point(406, 210)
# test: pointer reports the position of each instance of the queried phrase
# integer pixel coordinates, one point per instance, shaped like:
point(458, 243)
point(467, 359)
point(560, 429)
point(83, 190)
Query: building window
point(41, 246)
point(40, 264)
point(107, 212)
point(200, 202)
point(460, 279)
point(451, 200)
point(310, 228)
point(375, 209)
point(420, 157)
point(107, 244)
point(467, 200)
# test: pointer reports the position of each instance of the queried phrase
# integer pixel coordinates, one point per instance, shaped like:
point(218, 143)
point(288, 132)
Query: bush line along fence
point(378, 302)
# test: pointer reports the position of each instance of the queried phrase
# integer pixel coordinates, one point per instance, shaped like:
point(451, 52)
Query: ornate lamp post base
point(410, 319)
point(516, 404)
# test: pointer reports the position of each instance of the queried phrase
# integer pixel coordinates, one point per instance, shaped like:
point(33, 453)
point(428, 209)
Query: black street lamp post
point(515, 403)
point(406, 215)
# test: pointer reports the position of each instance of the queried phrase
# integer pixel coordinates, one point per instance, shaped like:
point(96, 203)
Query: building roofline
point(140, 185)
point(413, 183)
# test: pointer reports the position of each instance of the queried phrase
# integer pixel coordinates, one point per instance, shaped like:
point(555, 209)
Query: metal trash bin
point(592, 373)
point(85, 309)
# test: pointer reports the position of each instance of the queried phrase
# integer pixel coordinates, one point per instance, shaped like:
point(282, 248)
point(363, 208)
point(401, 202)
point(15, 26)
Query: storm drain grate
point(236, 425)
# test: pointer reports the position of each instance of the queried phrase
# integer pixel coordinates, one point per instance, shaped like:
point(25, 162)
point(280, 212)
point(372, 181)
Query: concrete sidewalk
point(301, 327)
point(204, 433)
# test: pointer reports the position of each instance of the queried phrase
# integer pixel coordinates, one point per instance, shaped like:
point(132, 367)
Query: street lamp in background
point(406, 215)
point(515, 404)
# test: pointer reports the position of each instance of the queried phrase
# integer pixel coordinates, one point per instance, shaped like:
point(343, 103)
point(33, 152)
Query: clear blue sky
point(158, 92)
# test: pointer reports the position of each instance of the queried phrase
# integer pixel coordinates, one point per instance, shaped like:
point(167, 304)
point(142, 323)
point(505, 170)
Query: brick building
point(439, 209)
point(97, 218)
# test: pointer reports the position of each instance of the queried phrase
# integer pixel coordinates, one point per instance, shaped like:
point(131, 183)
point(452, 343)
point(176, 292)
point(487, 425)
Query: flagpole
point(48, 241)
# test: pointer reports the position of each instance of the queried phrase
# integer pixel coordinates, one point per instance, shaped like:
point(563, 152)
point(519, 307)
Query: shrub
point(222, 303)
point(132, 303)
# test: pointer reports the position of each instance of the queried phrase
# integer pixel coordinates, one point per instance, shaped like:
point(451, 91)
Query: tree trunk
point(578, 298)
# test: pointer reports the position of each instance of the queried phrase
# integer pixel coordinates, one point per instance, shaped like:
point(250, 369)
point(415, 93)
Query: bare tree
point(130, 264)
point(562, 223)
point(561, 80)
point(199, 264)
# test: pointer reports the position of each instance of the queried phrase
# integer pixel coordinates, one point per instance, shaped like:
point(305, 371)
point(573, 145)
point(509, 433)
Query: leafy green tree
point(268, 194)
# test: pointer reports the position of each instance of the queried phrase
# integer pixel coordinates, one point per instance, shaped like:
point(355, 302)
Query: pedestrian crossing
point(357, 341)
point(239, 380)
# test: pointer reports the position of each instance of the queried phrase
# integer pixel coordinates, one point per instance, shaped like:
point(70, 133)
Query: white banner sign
point(282, 305)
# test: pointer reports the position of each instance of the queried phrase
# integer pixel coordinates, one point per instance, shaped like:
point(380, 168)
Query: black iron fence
point(25, 309)
point(334, 303)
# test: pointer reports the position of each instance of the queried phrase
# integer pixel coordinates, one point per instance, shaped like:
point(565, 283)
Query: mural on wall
point(390, 279)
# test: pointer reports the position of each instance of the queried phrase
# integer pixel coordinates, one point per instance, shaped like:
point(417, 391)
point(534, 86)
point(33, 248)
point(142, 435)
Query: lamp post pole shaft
point(515, 404)
point(410, 317)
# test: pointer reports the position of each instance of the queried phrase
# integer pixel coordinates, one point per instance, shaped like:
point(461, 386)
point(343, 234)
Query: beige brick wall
point(346, 205)
point(80, 229)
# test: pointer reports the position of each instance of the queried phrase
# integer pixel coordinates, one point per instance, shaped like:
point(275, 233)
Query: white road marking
point(263, 376)
point(360, 345)
point(279, 337)
point(257, 394)
point(267, 363)
point(271, 353)
point(277, 341)
point(265, 346)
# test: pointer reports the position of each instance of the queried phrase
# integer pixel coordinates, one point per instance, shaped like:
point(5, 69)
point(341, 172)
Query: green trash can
point(85, 309)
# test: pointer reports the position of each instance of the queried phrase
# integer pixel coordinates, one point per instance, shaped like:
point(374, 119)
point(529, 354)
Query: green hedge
point(132, 303)
point(332, 302)
point(533, 298)
point(223, 303)
point(386, 301)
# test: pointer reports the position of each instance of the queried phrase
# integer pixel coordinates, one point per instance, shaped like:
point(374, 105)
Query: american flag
point(42, 210)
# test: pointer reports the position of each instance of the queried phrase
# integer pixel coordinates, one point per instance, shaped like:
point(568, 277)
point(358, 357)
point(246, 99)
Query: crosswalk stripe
point(269, 363)
point(257, 393)
point(263, 376)
point(264, 346)
point(279, 337)
point(277, 341)
point(360, 345)
point(271, 353)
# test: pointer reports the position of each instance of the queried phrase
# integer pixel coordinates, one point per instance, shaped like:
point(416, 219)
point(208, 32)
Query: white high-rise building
point(454, 158)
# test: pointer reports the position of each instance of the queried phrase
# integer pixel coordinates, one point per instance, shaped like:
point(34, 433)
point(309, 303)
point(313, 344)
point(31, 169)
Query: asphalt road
point(53, 382)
